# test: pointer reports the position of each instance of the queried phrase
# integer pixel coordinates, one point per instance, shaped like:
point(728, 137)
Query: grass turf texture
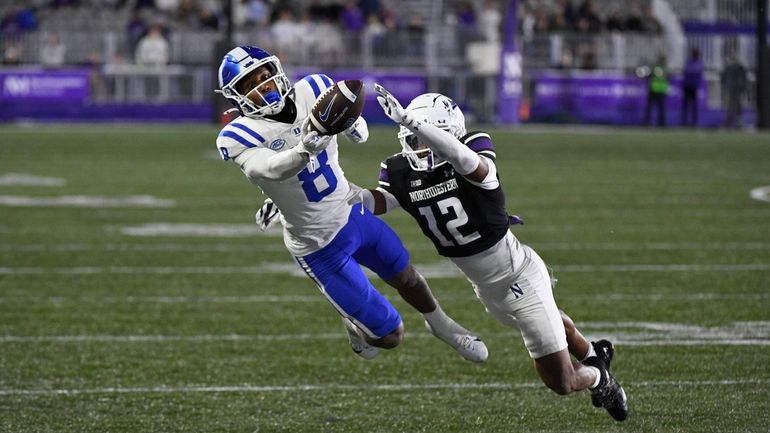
point(653, 237)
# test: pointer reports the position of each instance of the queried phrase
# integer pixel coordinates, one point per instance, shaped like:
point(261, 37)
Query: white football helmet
point(439, 111)
point(255, 102)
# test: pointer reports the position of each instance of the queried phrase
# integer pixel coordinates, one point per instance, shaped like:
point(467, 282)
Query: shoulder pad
point(245, 135)
point(317, 83)
point(236, 137)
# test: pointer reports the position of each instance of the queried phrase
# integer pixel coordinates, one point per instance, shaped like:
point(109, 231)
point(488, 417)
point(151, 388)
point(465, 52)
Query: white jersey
point(313, 203)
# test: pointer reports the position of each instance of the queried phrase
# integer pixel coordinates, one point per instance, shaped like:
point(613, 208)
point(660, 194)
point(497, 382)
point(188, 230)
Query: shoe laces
point(608, 394)
point(467, 341)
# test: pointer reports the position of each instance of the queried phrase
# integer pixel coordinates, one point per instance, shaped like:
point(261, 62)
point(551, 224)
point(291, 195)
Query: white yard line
point(755, 333)
point(367, 387)
point(234, 299)
point(233, 247)
point(433, 270)
point(761, 193)
point(86, 201)
point(25, 179)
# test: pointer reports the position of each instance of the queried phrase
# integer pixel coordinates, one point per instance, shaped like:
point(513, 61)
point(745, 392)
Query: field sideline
point(137, 295)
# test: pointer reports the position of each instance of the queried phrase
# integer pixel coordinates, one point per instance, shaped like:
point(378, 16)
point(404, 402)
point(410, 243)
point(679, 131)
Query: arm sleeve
point(447, 146)
point(490, 182)
point(259, 162)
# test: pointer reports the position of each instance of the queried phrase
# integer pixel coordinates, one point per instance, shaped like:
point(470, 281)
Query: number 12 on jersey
point(447, 207)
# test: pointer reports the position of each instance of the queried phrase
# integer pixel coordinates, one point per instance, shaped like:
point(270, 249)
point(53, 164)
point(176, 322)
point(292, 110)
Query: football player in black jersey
point(447, 180)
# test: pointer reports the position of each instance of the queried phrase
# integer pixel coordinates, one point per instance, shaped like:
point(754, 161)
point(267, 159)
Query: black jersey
point(460, 218)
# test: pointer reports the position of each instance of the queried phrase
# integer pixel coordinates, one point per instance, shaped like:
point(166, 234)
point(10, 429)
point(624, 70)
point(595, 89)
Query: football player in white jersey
point(447, 180)
point(272, 143)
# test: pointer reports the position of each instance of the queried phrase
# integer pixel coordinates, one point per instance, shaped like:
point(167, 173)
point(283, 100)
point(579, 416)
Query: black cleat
point(609, 394)
point(605, 351)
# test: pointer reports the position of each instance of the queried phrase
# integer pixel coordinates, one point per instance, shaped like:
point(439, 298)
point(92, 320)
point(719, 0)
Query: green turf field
point(117, 316)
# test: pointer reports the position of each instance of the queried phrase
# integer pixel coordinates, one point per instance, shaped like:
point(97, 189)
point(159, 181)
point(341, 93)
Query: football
point(338, 107)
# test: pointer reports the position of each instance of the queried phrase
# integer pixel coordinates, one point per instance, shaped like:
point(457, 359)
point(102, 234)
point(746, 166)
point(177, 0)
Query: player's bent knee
point(408, 279)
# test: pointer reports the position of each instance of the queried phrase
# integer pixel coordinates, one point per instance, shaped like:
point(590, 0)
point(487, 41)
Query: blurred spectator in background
point(136, 28)
point(286, 34)
point(187, 13)
point(614, 21)
point(63, 3)
point(144, 4)
point(588, 60)
point(466, 16)
point(489, 21)
point(167, 6)
point(207, 19)
point(257, 12)
point(692, 78)
point(153, 48)
point(329, 40)
point(91, 60)
point(527, 22)
point(369, 8)
point(20, 18)
point(53, 52)
point(374, 32)
point(565, 61)
point(657, 89)
point(415, 33)
point(650, 24)
point(634, 20)
point(734, 83)
point(588, 17)
point(352, 18)
point(12, 54)
point(567, 11)
point(467, 24)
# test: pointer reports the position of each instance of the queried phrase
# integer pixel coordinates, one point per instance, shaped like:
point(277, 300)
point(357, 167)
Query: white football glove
point(267, 215)
point(392, 107)
point(311, 142)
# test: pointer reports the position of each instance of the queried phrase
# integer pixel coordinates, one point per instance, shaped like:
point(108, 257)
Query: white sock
point(598, 377)
point(591, 352)
point(436, 315)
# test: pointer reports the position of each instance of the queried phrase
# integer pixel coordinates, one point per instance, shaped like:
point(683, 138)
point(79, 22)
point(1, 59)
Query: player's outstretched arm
point(464, 160)
point(263, 163)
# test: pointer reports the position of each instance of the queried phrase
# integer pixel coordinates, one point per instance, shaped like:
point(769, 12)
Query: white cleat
point(359, 345)
point(467, 345)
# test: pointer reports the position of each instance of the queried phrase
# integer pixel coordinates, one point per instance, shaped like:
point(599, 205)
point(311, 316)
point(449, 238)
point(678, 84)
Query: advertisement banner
point(590, 97)
point(31, 85)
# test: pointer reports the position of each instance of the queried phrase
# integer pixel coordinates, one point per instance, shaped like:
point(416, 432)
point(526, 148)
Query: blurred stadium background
point(503, 61)
point(137, 295)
